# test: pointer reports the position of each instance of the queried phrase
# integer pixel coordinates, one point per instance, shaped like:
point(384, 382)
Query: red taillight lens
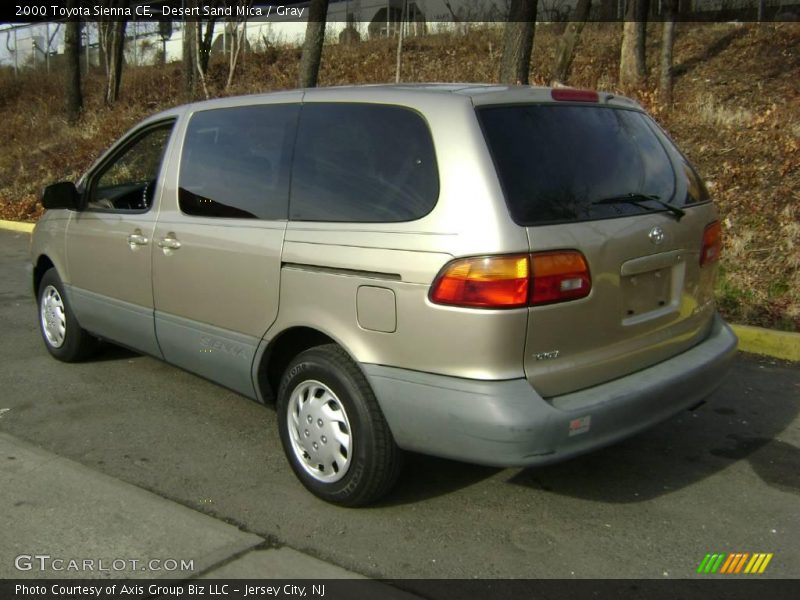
point(559, 276)
point(486, 282)
point(574, 95)
point(712, 244)
point(513, 281)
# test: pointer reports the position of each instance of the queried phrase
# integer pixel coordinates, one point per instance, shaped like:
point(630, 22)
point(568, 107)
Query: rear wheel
point(332, 429)
point(63, 336)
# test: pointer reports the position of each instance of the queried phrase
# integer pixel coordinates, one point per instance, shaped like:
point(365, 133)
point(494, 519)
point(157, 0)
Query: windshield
point(556, 162)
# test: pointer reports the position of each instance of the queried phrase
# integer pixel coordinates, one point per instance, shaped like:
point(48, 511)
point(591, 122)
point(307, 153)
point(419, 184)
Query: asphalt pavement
point(125, 456)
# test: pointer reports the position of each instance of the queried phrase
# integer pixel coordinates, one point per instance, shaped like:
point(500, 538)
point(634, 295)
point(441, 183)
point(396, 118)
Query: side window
point(235, 162)
point(128, 182)
point(362, 163)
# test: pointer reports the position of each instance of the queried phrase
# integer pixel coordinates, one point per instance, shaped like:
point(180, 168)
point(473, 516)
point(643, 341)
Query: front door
point(109, 242)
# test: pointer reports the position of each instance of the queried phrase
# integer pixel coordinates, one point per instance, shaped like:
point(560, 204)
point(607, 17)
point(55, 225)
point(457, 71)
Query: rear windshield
point(556, 162)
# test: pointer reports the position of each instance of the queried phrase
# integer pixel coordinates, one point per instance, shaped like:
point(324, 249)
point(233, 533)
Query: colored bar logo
point(735, 563)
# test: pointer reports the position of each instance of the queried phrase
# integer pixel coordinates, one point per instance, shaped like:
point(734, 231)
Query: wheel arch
point(43, 264)
point(280, 351)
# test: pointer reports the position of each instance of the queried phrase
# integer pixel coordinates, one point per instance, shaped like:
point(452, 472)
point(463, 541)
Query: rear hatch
point(604, 180)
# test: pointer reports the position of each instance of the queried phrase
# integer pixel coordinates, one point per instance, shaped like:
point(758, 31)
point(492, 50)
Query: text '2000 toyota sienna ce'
point(508, 276)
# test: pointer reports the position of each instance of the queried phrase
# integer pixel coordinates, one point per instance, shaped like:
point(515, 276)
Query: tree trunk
point(667, 43)
point(312, 47)
point(631, 63)
point(205, 45)
point(188, 59)
point(515, 64)
point(72, 56)
point(569, 40)
point(642, 8)
point(118, 59)
point(112, 46)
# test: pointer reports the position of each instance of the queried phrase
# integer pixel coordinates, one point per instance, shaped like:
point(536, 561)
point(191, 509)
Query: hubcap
point(319, 431)
point(54, 320)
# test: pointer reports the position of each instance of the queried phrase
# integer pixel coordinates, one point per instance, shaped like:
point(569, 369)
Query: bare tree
point(400, 41)
point(667, 43)
point(189, 35)
point(112, 44)
point(518, 42)
point(165, 32)
point(238, 41)
point(204, 45)
point(568, 42)
point(72, 57)
point(632, 71)
point(312, 46)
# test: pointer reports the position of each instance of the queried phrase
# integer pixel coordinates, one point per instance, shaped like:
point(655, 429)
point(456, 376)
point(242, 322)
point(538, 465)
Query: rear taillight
point(559, 276)
point(512, 281)
point(483, 282)
point(712, 244)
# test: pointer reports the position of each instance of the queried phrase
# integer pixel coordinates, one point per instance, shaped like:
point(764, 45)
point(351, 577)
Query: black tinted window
point(555, 162)
point(362, 163)
point(235, 162)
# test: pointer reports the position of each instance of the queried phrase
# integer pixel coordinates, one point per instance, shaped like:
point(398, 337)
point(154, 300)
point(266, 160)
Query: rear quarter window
point(365, 163)
point(556, 161)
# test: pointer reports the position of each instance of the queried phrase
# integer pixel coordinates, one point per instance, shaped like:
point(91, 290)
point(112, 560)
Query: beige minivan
point(507, 276)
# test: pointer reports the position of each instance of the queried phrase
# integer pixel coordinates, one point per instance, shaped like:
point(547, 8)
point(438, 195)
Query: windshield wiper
point(639, 199)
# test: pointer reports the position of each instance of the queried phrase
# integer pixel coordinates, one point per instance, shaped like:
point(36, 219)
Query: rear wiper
point(638, 200)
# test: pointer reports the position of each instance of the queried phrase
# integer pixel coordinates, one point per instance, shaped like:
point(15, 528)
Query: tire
point(324, 400)
point(63, 336)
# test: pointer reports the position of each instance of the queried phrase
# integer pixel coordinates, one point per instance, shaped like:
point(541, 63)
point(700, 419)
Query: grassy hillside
point(737, 116)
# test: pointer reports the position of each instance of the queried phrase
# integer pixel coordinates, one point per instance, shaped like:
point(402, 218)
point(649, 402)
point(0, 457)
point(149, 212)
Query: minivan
point(503, 275)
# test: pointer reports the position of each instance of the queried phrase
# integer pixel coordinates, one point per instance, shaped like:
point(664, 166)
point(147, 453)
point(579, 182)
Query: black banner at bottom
point(403, 589)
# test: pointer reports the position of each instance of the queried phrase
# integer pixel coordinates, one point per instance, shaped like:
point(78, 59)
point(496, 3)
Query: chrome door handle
point(137, 239)
point(169, 243)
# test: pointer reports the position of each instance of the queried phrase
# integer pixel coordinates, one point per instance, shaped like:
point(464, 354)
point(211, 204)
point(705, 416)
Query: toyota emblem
point(656, 235)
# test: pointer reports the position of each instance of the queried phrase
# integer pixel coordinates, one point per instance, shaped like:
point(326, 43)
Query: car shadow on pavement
point(108, 352)
point(424, 477)
point(741, 421)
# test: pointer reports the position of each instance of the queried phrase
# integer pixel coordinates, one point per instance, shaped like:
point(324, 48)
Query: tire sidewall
point(70, 349)
point(313, 366)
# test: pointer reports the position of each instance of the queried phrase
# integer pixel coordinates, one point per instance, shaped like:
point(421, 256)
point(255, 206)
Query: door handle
point(137, 239)
point(169, 243)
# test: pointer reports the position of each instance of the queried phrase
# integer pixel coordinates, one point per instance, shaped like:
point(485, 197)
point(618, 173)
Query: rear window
point(556, 162)
point(362, 163)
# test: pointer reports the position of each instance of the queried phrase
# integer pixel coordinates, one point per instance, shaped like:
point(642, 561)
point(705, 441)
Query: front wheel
point(63, 336)
point(332, 429)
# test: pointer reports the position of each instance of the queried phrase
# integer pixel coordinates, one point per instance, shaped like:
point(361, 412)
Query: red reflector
point(559, 276)
point(574, 95)
point(712, 244)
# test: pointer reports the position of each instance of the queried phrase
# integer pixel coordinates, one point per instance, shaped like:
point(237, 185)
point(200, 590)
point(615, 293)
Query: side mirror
point(61, 195)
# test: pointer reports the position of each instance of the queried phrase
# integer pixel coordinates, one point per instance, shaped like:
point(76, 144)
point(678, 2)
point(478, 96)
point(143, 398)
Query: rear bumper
point(506, 423)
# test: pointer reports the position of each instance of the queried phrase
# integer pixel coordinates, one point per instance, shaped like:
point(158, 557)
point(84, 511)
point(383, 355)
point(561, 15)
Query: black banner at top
point(388, 11)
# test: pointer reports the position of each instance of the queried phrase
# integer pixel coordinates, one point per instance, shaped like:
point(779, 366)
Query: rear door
point(594, 178)
point(218, 240)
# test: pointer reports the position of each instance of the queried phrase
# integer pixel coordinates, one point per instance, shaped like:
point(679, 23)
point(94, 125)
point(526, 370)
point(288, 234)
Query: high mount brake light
point(573, 95)
point(512, 281)
point(712, 244)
